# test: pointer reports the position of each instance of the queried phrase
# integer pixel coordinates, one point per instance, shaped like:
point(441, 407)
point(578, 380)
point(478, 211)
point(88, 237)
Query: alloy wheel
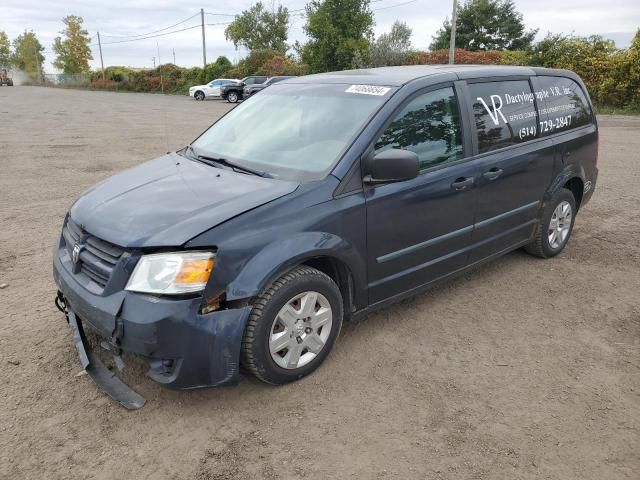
point(559, 225)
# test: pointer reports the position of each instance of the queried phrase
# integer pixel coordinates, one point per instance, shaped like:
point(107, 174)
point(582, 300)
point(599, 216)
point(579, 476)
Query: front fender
point(278, 257)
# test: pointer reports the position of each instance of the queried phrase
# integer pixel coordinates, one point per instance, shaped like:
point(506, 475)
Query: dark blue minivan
point(354, 189)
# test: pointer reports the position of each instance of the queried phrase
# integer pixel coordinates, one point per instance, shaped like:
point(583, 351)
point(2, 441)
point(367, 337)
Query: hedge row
point(611, 75)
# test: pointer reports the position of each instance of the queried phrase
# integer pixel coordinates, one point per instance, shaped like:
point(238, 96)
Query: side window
point(505, 113)
point(564, 105)
point(216, 83)
point(429, 125)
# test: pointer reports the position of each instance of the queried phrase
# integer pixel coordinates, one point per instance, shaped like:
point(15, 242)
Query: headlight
point(172, 273)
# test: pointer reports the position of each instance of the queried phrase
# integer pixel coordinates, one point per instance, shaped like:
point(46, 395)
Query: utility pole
point(160, 67)
point(174, 56)
point(452, 42)
point(100, 48)
point(204, 46)
point(154, 61)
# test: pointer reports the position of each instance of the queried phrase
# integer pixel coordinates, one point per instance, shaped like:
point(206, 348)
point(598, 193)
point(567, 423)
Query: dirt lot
point(523, 369)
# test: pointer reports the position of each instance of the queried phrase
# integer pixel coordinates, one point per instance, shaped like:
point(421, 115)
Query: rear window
point(563, 105)
point(505, 113)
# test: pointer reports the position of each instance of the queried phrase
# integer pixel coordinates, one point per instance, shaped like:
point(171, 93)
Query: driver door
point(420, 230)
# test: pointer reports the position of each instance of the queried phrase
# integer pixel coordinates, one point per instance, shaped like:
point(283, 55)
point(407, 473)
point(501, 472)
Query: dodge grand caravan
point(354, 190)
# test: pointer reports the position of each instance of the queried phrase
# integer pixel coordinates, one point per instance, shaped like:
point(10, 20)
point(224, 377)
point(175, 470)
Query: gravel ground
point(522, 369)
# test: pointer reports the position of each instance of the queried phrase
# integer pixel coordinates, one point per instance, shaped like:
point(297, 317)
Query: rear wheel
point(293, 326)
point(553, 232)
point(199, 95)
point(232, 97)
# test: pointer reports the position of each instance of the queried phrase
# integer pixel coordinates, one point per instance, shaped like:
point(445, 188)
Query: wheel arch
point(576, 186)
point(572, 177)
point(325, 252)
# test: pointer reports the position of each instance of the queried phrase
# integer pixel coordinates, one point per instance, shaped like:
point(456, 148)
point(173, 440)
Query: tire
point(232, 97)
point(199, 95)
point(284, 321)
point(545, 244)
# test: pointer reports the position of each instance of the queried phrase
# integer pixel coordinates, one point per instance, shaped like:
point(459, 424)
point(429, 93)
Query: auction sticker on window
point(368, 90)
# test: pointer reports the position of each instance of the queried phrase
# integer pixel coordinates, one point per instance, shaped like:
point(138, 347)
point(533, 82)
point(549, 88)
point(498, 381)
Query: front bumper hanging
point(99, 373)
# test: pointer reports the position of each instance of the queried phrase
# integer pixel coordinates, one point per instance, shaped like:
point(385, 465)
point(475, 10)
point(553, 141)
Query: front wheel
point(293, 326)
point(199, 95)
point(232, 97)
point(554, 230)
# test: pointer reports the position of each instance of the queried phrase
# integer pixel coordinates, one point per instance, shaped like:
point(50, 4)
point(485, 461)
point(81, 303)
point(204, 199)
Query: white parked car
point(211, 89)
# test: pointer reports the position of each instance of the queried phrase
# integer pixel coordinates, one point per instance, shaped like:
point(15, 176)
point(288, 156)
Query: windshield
point(291, 131)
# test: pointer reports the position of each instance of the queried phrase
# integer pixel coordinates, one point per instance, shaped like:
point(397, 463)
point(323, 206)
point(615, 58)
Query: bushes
point(461, 57)
point(279, 65)
point(611, 75)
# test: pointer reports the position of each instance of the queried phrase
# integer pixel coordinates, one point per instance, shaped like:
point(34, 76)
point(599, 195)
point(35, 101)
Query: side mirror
point(392, 165)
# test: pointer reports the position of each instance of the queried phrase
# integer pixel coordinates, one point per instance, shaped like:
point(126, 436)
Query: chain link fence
point(67, 80)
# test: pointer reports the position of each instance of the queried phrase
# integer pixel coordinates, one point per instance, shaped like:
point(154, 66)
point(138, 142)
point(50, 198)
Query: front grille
point(97, 259)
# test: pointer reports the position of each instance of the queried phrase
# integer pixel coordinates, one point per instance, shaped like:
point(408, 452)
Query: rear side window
point(429, 126)
point(505, 113)
point(563, 105)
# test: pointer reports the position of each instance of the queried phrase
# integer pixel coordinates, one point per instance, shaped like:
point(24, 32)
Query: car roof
point(398, 76)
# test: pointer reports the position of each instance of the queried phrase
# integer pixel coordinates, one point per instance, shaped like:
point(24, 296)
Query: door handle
point(462, 183)
point(493, 174)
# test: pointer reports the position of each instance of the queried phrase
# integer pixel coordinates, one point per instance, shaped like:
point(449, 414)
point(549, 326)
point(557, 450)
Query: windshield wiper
point(223, 161)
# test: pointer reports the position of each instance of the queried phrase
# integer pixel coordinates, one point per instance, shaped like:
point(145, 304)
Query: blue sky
point(617, 19)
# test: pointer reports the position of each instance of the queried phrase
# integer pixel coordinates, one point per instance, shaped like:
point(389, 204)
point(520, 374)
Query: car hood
point(198, 86)
point(170, 200)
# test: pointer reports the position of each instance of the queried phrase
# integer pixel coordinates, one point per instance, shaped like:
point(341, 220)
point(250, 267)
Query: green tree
point(486, 25)
point(339, 31)
point(391, 48)
point(217, 69)
point(27, 54)
point(260, 29)
point(73, 53)
point(5, 49)
point(594, 58)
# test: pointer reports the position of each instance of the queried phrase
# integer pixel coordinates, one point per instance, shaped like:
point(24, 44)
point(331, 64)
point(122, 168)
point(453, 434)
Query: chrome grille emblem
point(75, 254)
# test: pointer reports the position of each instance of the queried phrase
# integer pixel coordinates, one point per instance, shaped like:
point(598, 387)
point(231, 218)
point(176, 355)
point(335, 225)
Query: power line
point(393, 6)
point(221, 14)
point(303, 12)
point(155, 31)
point(162, 32)
point(150, 36)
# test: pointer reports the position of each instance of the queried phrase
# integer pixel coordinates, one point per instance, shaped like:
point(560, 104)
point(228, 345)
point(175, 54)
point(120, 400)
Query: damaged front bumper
point(184, 348)
point(101, 375)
